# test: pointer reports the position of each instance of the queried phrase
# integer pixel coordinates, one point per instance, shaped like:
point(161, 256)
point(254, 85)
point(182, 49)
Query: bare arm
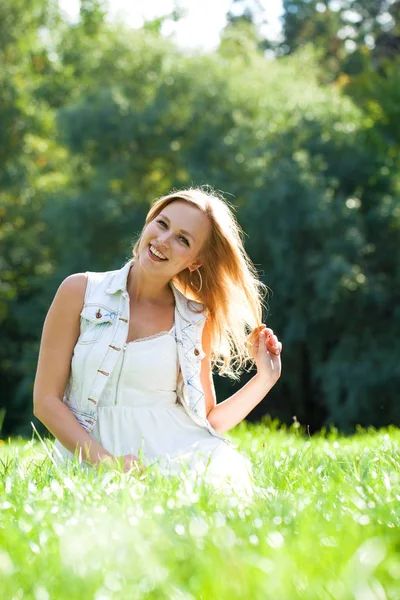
point(233, 410)
point(227, 414)
point(59, 336)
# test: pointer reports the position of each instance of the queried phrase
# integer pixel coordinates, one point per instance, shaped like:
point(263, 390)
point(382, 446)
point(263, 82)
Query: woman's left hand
point(265, 349)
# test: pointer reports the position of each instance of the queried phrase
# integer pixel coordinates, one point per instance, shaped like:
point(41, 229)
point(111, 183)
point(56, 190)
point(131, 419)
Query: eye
point(161, 221)
point(186, 241)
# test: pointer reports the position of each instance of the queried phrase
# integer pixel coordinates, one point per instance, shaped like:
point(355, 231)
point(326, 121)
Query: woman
point(125, 364)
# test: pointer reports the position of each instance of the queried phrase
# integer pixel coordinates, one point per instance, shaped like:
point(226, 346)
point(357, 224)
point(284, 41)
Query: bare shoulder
point(74, 285)
point(67, 303)
point(71, 291)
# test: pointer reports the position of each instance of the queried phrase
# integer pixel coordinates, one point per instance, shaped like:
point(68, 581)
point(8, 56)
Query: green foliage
point(344, 31)
point(323, 523)
point(29, 162)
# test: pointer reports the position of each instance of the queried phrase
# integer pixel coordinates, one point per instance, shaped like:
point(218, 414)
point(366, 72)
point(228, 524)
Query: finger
point(273, 341)
point(268, 334)
point(257, 330)
point(275, 349)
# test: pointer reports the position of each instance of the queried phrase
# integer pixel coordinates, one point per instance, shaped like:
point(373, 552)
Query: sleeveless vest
point(104, 325)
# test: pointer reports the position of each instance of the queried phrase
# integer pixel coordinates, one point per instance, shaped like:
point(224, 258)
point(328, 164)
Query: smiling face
point(178, 233)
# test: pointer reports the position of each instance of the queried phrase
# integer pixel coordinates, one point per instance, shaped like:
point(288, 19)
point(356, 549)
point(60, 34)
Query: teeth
point(156, 253)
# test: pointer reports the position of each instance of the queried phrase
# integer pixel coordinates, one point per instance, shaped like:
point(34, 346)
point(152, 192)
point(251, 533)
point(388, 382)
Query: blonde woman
point(125, 365)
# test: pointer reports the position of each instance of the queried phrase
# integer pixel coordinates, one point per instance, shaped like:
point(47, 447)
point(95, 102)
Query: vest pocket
point(94, 321)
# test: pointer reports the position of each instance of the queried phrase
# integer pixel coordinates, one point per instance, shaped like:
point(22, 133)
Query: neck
point(142, 286)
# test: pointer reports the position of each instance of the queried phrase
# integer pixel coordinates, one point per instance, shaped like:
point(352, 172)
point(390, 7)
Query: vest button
point(196, 352)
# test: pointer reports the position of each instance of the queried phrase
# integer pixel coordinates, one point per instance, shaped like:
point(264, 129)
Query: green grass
point(324, 523)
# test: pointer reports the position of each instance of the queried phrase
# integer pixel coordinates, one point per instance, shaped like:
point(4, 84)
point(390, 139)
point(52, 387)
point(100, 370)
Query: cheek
point(148, 234)
point(181, 255)
point(180, 252)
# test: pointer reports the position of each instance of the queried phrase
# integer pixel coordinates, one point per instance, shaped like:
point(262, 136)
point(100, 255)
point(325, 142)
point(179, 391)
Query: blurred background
point(292, 110)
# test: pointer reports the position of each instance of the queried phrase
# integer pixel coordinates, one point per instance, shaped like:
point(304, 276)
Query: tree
point(344, 30)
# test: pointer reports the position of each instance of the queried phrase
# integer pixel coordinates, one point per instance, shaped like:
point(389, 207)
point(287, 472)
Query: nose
point(162, 241)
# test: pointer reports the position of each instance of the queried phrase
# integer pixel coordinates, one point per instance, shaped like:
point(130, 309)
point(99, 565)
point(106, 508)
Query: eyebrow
point(182, 230)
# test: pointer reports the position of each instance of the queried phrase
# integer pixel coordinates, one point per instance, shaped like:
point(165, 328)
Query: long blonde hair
point(231, 292)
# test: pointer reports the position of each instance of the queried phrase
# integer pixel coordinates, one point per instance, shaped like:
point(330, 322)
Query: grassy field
point(323, 524)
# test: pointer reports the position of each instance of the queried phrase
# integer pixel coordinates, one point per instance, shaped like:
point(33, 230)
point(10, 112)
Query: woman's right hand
point(126, 462)
point(131, 460)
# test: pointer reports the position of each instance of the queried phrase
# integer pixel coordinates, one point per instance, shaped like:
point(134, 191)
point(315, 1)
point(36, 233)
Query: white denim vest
point(104, 328)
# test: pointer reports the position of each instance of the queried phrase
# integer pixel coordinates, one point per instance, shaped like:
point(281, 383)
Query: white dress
point(138, 413)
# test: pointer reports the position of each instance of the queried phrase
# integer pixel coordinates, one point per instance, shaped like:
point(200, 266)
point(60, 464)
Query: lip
point(155, 258)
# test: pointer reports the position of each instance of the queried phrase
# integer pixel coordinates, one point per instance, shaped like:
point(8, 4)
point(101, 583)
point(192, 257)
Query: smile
point(155, 254)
